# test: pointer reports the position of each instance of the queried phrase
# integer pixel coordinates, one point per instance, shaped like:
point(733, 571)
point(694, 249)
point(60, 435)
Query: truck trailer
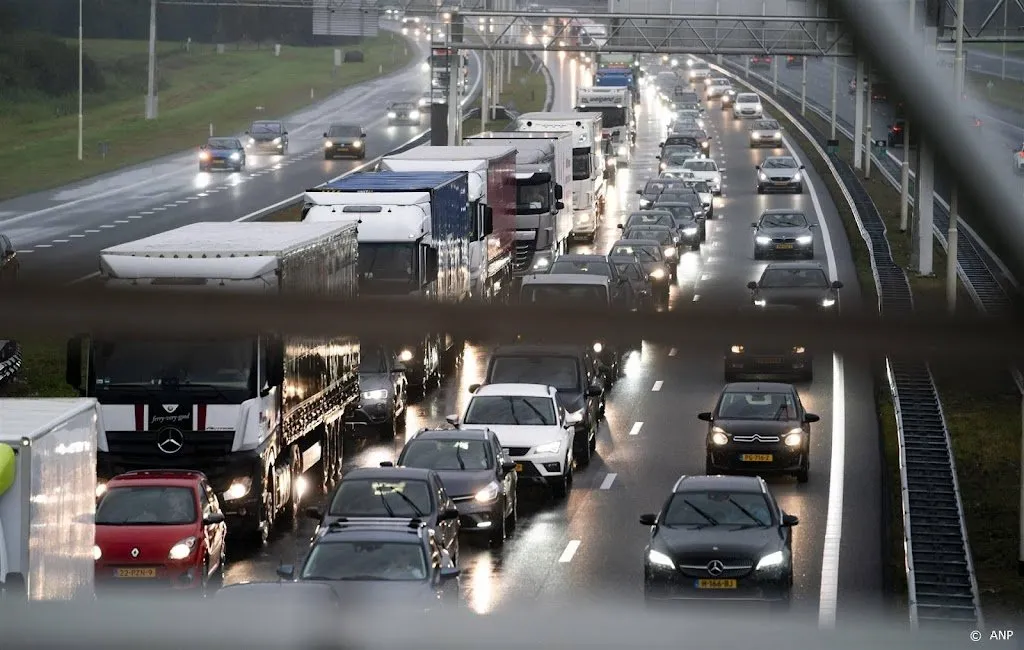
point(491, 174)
point(47, 498)
point(618, 125)
point(256, 413)
point(588, 164)
point(543, 192)
point(414, 236)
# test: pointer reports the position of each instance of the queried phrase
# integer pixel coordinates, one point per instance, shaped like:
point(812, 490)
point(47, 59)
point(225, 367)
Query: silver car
point(780, 174)
point(766, 133)
point(718, 87)
point(783, 233)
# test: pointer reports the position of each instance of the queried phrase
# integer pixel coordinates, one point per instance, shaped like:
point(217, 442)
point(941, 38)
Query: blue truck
point(414, 234)
point(615, 76)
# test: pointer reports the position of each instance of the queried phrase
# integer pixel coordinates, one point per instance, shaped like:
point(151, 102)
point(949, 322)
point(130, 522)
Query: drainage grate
point(940, 576)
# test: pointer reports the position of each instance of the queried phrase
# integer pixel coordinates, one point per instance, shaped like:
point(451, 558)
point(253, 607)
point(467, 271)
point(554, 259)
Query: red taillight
point(1020, 154)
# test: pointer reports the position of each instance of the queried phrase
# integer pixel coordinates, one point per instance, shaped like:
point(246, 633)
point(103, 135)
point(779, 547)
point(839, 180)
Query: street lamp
point(80, 83)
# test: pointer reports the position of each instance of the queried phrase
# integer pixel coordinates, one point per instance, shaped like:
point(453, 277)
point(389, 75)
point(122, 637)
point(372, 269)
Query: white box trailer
point(47, 497)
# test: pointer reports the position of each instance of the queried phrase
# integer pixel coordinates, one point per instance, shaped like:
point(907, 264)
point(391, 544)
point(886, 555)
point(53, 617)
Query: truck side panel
point(501, 196)
point(452, 227)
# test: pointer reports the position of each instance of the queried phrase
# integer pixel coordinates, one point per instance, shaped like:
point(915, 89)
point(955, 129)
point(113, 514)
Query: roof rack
point(344, 522)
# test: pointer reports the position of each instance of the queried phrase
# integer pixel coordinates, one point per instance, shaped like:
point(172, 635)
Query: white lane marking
point(570, 550)
point(135, 216)
point(107, 226)
point(657, 386)
point(169, 205)
point(44, 245)
point(159, 209)
point(25, 252)
point(147, 212)
point(85, 278)
point(121, 221)
point(696, 297)
point(92, 231)
point(60, 241)
point(822, 223)
point(635, 429)
point(180, 202)
point(200, 194)
point(673, 352)
point(608, 480)
point(76, 236)
point(827, 600)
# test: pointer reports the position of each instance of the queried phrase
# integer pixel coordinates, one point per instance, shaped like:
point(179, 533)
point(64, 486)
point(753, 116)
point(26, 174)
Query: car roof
point(783, 211)
point(637, 242)
point(388, 473)
point(538, 349)
point(757, 387)
point(795, 265)
point(175, 477)
point(580, 257)
point(319, 589)
point(452, 434)
point(514, 390)
point(566, 278)
point(657, 227)
point(266, 122)
point(734, 483)
point(365, 531)
point(650, 212)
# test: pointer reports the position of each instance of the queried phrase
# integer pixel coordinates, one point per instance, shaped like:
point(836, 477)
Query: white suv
point(1018, 159)
point(533, 429)
point(747, 105)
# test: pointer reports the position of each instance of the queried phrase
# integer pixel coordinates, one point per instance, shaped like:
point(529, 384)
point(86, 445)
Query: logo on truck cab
point(170, 441)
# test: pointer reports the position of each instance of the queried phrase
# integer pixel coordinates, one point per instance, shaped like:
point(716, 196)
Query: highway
point(61, 232)
point(590, 546)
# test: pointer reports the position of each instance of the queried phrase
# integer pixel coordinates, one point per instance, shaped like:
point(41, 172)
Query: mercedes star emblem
point(715, 567)
point(135, 552)
point(170, 441)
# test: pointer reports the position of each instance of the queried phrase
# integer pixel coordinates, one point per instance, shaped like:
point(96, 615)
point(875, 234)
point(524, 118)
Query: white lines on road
point(107, 226)
point(696, 297)
point(168, 205)
point(25, 252)
point(183, 202)
point(200, 194)
point(570, 550)
point(135, 216)
point(121, 221)
point(608, 480)
point(60, 241)
point(44, 245)
point(76, 236)
point(673, 352)
point(635, 429)
point(91, 232)
point(147, 213)
point(159, 209)
point(834, 520)
point(657, 386)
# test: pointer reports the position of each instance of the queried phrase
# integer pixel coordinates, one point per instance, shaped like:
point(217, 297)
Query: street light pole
point(81, 84)
point(905, 167)
point(954, 191)
point(151, 90)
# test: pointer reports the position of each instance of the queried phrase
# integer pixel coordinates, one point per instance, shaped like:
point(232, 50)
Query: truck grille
point(201, 450)
point(524, 253)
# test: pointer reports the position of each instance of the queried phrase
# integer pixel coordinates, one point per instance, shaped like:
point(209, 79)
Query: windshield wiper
point(415, 509)
point(782, 409)
point(747, 513)
point(458, 457)
point(701, 512)
point(387, 506)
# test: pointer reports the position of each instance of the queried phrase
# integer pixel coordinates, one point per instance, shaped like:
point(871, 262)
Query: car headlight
point(690, 231)
point(737, 349)
point(425, 66)
point(547, 448)
point(101, 489)
point(328, 144)
point(235, 156)
point(97, 553)
point(414, 115)
point(771, 560)
point(705, 144)
point(488, 494)
point(405, 355)
point(804, 239)
point(760, 302)
point(392, 115)
point(598, 347)
point(252, 140)
point(761, 176)
point(828, 302)
point(238, 489)
point(375, 395)
point(755, 136)
point(622, 150)
point(357, 144)
point(662, 166)
point(799, 349)
point(541, 263)
point(777, 135)
point(658, 558)
point(277, 140)
point(182, 549)
point(204, 155)
point(797, 177)
point(761, 239)
point(794, 438)
point(670, 251)
point(658, 274)
point(423, 102)
point(718, 436)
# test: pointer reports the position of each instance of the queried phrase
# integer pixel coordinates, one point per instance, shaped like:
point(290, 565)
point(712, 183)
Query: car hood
point(788, 172)
point(718, 541)
point(374, 381)
point(703, 174)
point(361, 593)
point(153, 542)
point(762, 427)
point(570, 400)
point(742, 105)
point(784, 232)
point(265, 137)
point(221, 152)
point(342, 140)
point(461, 483)
point(765, 131)
point(524, 436)
point(796, 297)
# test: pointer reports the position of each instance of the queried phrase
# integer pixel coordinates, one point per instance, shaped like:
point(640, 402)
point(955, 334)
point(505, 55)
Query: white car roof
point(514, 390)
point(565, 278)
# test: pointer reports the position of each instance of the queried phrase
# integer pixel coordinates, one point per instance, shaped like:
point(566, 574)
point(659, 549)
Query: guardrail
point(941, 584)
point(10, 360)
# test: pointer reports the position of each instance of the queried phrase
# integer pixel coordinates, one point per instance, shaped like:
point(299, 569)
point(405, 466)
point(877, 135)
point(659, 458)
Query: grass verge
point(197, 88)
point(1008, 93)
point(526, 93)
point(42, 371)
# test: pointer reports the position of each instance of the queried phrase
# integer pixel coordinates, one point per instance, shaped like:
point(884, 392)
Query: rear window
point(561, 372)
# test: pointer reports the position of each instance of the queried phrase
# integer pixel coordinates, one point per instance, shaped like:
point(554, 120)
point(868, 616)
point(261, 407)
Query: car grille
point(701, 561)
point(517, 451)
point(732, 570)
point(783, 240)
point(755, 438)
point(202, 450)
point(781, 179)
point(524, 253)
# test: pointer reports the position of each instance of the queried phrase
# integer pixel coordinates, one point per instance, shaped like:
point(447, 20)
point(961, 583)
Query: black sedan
point(393, 492)
point(783, 233)
point(648, 253)
point(222, 153)
point(478, 476)
point(345, 140)
point(796, 285)
point(649, 194)
point(719, 538)
point(663, 235)
point(685, 209)
point(639, 280)
point(403, 114)
point(759, 428)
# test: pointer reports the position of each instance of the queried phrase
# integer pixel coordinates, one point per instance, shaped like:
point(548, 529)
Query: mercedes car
point(799, 285)
point(783, 232)
point(648, 253)
point(780, 174)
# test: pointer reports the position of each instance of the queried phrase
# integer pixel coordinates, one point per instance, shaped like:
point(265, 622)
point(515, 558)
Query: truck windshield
point(581, 164)
point(179, 364)
point(388, 262)
point(611, 116)
point(146, 505)
point(533, 198)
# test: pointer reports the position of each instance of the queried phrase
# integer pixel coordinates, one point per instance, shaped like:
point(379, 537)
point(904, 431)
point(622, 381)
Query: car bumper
point(344, 150)
point(539, 468)
point(764, 365)
point(476, 517)
point(403, 121)
point(757, 458)
point(746, 114)
point(675, 585)
point(370, 414)
point(779, 186)
point(264, 147)
point(165, 577)
point(220, 163)
point(785, 250)
point(766, 142)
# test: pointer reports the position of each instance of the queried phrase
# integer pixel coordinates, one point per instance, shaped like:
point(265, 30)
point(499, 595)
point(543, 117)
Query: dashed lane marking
point(92, 231)
point(673, 352)
point(146, 213)
point(44, 245)
point(107, 226)
point(696, 297)
point(570, 550)
point(76, 236)
point(122, 221)
point(60, 241)
point(608, 480)
point(635, 429)
point(657, 386)
point(135, 216)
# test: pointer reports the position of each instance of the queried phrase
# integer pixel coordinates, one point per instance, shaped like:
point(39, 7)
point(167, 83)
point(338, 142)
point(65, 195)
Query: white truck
point(618, 124)
point(588, 164)
point(491, 173)
point(47, 497)
point(543, 194)
point(255, 413)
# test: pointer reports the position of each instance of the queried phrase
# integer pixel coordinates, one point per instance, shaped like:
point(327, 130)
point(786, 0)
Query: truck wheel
point(290, 514)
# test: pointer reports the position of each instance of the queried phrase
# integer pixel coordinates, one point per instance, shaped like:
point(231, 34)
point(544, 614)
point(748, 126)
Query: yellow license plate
point(135, 573)
point(716, 584)
point(756, 458)
point(784, 246)
point(519, 467)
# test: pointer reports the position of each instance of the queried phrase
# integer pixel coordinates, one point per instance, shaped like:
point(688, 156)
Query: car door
point(507, 479)
point(398, 379)
point(435, 564)
point(801, 412)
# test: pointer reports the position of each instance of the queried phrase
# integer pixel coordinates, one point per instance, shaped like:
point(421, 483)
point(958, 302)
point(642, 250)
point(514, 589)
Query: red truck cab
point(159, 529)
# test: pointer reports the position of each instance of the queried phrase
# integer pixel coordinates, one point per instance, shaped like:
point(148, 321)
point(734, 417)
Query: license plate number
point(756, 458)
point(769, 361)
point(786, 246)
point(716, 584)
point(135, 573)
point(519, 467)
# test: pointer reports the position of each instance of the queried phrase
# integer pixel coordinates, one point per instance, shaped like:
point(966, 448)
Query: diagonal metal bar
point(991, 14)
point(697, 34)
point(781, 38)
point(642, 34)
point(812, 39)
point(727, 34)
point(668, 37)
point(752, 34)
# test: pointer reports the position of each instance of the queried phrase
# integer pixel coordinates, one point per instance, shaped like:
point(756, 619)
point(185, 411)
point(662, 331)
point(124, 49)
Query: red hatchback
point(159, 528)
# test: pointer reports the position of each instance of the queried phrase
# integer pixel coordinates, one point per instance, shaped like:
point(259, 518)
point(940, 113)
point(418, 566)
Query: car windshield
point(643, 253)
point(402, 106)
point(582, 268)
point(511, 410)
point(636, 220)
point(561, 295)
point(677, 158)
point(701, 165)
point(654, 187)
point(223, 143)
point(766, 125)
point(372, 359)
point(561, 372)
point(265, 128)
point(344, 131)
point(630, 270)
point(796, 278)
point(717, 509)
point(744, 405)
point(685, 151)
point(391, 561)
point(718, 81)
point(783, 220)
point(364, 497)
point(747, 98)
point(150, 505)
point(682, 140)
point(701, 187)
point(662, 236)
point(782, 162)
point(678, 211)
point(447, 455)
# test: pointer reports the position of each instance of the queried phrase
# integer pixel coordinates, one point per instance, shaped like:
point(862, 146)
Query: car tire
point(758, 255)
point(581, 451)
point(695, 246)
point(389, 430)
point(513, 517)
point(803, 475)
point(560, 489)
point(496, 538)
point(760, 189)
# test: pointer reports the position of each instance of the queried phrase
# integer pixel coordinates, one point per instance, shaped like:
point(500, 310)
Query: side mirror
point(286, 571)
point(661, 144)
point(802, 167)
point(837, 285)
point(790, 520)
point(452, 420)
point(812, 225)
point(705, 416)
point(621, 227)
point(649, 519)
point(811, 418)
point(213, 518)
point(362, 135)
point(594, 391)
point(558, 192)
point(757, 168)
point(247, 133)
point(752, 285)
point(572, 419)
point(640, 192)
point(430, 266)
point(450, 513)
point(753, 224)
point(508, 466)
point(449, 573)
point(474, 387)
point(73, 370)
point(325, 134)
point(314, 513)
point(559, 205)
point(386, 463)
